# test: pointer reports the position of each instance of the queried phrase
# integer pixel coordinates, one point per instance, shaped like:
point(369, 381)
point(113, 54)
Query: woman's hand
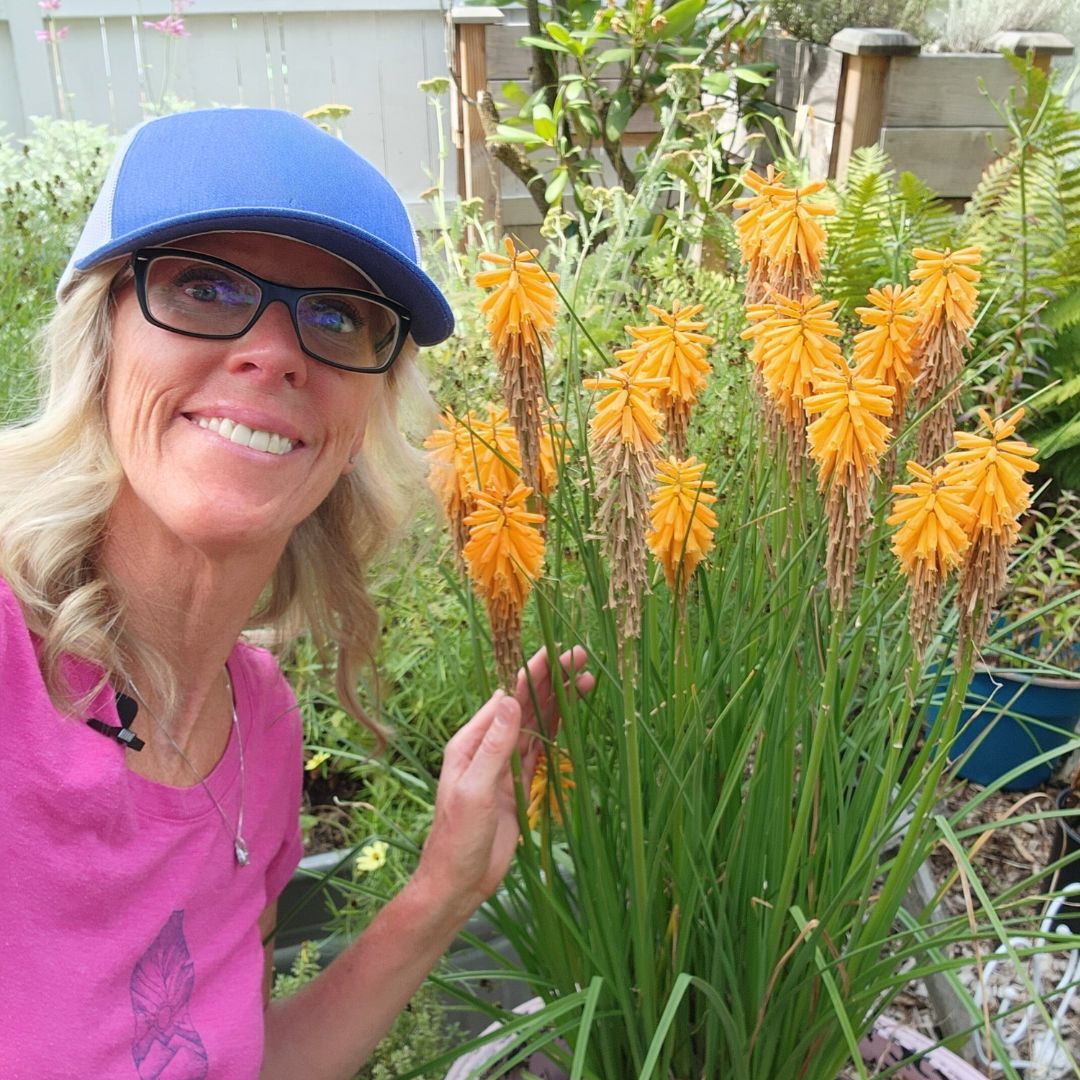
point(475, 831)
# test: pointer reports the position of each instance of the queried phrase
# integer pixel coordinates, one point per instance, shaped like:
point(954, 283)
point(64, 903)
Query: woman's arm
point(330, 1026)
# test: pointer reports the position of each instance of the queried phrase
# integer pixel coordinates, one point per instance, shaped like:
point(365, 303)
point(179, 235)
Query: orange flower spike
point(490, 457)
point(848, 431)
point(542, 791)
point(505, 552)
point(947, 285)
point(524, 299)
point(445, 476)
point(790, 231)
point(748, 224)
point(993, 465)
point(885, 349)
point(627, 412)
point(682, 523)
point(674, 349)
point(934, 519)
point(794, 343)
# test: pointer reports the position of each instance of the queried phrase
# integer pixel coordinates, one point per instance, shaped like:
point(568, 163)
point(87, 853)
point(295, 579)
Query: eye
point(208, 285)
point(332, 315)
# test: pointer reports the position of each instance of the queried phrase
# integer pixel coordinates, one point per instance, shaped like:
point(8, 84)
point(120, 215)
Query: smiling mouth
point(269, 442)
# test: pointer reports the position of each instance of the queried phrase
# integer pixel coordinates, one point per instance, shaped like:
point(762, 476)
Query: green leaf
point(556, 187)
point(543, 43)
point(758, 74)
point(544, 123)
point(717, 83)
point(614, 56)
point(513, 94)
point(575, 92)
point(680, 18)
point(561, 35)
point(618, 115)
point(506, 133)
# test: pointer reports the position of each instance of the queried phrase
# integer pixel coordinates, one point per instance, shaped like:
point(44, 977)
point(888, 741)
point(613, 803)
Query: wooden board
point(806, 74)
point(950, 160)
point(943, 90)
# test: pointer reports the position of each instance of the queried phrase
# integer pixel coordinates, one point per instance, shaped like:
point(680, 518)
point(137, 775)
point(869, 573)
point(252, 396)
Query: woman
point(216, 449)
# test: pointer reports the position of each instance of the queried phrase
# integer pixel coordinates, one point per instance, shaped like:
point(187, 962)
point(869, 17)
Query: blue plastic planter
point(1022, 716)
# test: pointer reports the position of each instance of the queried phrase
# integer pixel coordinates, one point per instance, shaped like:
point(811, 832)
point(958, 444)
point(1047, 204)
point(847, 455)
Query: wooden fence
point(110, 68)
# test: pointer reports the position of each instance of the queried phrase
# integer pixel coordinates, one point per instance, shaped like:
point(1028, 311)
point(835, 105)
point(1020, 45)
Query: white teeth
point(268, 442)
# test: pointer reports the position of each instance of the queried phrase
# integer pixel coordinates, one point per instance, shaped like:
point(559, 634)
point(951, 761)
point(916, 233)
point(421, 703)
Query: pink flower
point(173, 25)
point(49, 5)
point(52, 36)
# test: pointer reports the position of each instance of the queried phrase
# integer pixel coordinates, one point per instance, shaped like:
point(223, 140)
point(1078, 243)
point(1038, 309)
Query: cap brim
point(397, 278)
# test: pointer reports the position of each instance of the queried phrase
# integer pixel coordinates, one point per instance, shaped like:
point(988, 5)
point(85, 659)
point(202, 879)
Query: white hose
point(1046, 1052)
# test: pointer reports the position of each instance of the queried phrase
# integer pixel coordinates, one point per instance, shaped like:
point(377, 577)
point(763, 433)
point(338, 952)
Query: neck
point(187, 604)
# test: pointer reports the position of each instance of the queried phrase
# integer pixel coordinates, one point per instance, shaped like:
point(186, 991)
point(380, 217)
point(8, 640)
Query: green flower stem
point(641, 907)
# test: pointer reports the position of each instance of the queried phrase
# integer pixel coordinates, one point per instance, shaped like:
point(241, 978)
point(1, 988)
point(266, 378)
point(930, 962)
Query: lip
point(252, 418)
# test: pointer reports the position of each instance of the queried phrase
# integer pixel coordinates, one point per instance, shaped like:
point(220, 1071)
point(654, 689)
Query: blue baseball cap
point(259, 170)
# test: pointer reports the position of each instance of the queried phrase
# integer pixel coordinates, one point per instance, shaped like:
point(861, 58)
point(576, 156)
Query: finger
point(463, 745)
point(492, 756)
point(535, 679)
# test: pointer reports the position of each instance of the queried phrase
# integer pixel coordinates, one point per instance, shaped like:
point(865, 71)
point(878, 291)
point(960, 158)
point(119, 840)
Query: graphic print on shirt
point(166, 1046)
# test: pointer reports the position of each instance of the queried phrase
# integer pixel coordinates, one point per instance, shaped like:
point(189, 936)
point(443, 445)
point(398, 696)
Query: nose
point(270, 349)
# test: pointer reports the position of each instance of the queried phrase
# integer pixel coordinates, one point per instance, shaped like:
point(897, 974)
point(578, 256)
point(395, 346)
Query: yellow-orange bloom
point(767, 192)
point(792, 239)
point(847, 438)
point(885, 350)
point(935, 520)
point(682, 523)
point(673, 350)
point(993, 467)
point(521, 310)
point(946, 289)
point(627, 413)
point(542, 791)
point(505, 552)
point(795, 343)
point(446, 479)
point(932, 540)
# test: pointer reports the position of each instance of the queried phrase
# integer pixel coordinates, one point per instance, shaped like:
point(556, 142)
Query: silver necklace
point(240, 847)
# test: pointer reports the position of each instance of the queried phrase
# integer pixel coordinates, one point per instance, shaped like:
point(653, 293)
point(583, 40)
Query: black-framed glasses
point(199, 296)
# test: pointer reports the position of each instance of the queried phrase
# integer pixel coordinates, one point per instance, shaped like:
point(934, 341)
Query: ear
point(354, 452)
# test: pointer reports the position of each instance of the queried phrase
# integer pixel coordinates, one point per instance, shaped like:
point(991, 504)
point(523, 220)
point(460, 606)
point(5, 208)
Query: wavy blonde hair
point(60, 477)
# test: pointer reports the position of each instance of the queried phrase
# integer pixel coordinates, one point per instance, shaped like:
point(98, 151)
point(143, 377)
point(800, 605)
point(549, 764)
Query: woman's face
point(181, 412)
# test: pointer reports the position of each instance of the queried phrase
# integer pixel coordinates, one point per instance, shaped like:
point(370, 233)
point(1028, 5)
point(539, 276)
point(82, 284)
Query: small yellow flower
point(372, 856)
point(946, 286)
point(627, 413)
point(682, 523)
point(521, 310)
point(505, 552)
point(848, 438)
point(993, 467)
point(934, 521)
point(542, 792)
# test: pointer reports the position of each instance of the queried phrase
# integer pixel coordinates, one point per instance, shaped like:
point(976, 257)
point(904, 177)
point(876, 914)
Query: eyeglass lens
point(209, 300)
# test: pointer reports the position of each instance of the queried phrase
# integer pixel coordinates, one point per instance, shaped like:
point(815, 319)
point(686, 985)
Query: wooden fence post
point(1042, 44)
point(867, 54)
point(476, 174)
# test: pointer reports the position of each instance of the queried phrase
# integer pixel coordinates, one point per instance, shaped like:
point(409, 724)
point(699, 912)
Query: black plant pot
point(1066, 844)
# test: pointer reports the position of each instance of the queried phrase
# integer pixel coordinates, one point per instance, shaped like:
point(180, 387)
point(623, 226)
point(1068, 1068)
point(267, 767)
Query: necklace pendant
point(241, 850)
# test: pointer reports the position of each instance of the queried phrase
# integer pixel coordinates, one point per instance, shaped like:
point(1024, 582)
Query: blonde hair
point(59, 480)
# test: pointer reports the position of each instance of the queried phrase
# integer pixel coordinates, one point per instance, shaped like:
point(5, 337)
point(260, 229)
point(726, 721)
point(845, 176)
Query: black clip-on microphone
point(126, 709)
